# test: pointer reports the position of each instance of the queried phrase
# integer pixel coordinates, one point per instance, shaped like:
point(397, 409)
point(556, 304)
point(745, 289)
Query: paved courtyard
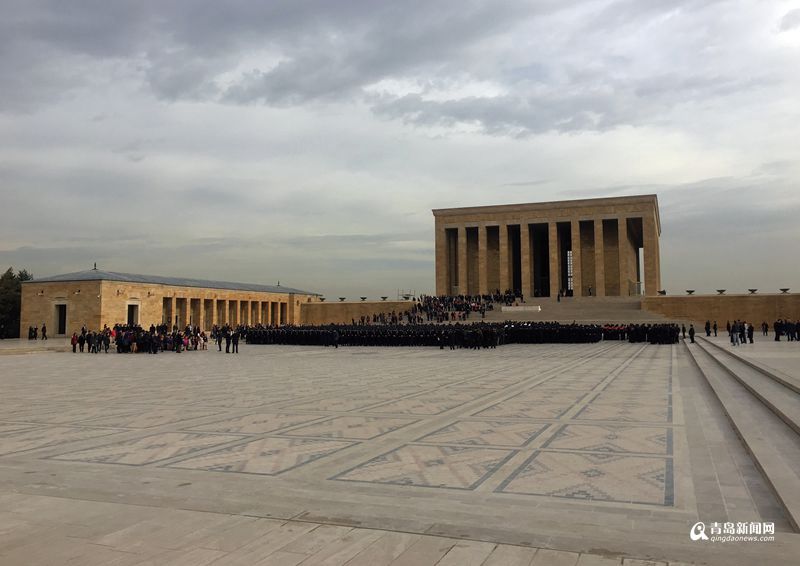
point(551, 454)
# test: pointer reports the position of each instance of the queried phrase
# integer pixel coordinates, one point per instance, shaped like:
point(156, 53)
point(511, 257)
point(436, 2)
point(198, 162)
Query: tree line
point(10, 300)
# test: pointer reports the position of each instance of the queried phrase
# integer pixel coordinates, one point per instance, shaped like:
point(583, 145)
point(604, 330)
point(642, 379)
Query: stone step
point(782, 401)
point(773, 444)
point(783, 378)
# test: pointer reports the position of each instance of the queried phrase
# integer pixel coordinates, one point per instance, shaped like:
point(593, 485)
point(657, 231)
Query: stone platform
point(551, 454)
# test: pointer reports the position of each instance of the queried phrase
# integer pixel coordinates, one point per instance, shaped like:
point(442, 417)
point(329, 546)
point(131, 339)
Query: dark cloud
point(307, 140)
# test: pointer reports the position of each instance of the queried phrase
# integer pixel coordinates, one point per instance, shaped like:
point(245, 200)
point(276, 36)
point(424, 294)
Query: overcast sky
point(308, 141)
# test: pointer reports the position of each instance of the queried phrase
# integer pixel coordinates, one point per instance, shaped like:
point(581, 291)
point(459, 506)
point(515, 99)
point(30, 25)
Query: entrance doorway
point(61, 319)
point(133, 315)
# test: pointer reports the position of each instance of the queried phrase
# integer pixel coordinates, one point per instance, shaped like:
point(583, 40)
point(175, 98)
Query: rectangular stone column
point(202, 315)
point(171, 314)
point(651, 256)
point(505, 276)
point(462, 260)
point(233, 312)
point(442, 263)
point(599, 259)
point(622, 244)
point(525, 262)
point(577, 272)
point(555, 284)
point(483, 261)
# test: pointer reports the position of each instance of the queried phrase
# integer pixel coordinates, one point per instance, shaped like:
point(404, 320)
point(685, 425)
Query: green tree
point(10, 299)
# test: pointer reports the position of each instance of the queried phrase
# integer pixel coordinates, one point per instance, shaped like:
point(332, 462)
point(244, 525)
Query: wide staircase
point(763, 406)
point(611, 310)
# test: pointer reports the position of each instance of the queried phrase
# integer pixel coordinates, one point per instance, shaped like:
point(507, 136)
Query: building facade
point(95, 298)
point(598, 247)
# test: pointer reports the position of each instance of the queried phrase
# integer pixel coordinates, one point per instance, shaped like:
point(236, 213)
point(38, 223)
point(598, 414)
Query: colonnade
point(205, 313)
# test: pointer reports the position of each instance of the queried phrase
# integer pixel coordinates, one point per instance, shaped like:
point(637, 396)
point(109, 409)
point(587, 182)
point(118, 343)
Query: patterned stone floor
point(610, 446)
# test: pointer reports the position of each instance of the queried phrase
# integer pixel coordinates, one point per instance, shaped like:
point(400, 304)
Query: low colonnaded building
point(95, 298)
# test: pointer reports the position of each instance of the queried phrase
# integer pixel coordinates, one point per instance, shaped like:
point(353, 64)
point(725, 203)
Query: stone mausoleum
point(599, 247)
point(94, 298)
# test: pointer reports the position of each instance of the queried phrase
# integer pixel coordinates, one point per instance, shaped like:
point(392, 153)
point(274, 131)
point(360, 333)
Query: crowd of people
point(33, 332)
point(742, 332)
point(429, 321)
point(450, 308)
point(788, 328)
point(479, 335)
point(460, 335)
point(133, 339)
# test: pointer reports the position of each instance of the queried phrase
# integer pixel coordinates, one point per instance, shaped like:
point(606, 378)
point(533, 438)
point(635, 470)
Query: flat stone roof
point(651, 199)
point(100, 275)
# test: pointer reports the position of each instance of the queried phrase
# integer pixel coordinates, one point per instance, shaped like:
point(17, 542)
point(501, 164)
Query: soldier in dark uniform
point(691, 333)
point(235, 341)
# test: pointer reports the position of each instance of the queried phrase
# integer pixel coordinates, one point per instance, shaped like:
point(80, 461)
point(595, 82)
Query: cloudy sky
point(306, 141)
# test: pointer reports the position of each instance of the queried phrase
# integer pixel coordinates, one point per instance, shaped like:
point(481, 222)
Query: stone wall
point(98, 303)
point(752, 308)
point(344, 312)
point(39, 305)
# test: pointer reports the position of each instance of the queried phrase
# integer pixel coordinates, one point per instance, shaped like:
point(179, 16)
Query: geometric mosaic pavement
point(612, 438)
point(268, 456)
point(42, 437)
point(256, 423)
point(603, 477)
point(575, 421)
point(492, 433)
point(147, 450)
point(455, 467)
point(363, 428)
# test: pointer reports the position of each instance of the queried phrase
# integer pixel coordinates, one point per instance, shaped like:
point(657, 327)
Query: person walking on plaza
point(734, 333)
point(683, 331)
point(715, 328)
point(44, 331)
point(750, 331)
point(235, 340)
point(765, 328)
point(708, 328)
point(74, 341)
point(691, 333)
point(227, 341)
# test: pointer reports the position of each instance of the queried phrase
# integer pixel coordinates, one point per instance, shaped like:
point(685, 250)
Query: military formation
point(479, 335)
